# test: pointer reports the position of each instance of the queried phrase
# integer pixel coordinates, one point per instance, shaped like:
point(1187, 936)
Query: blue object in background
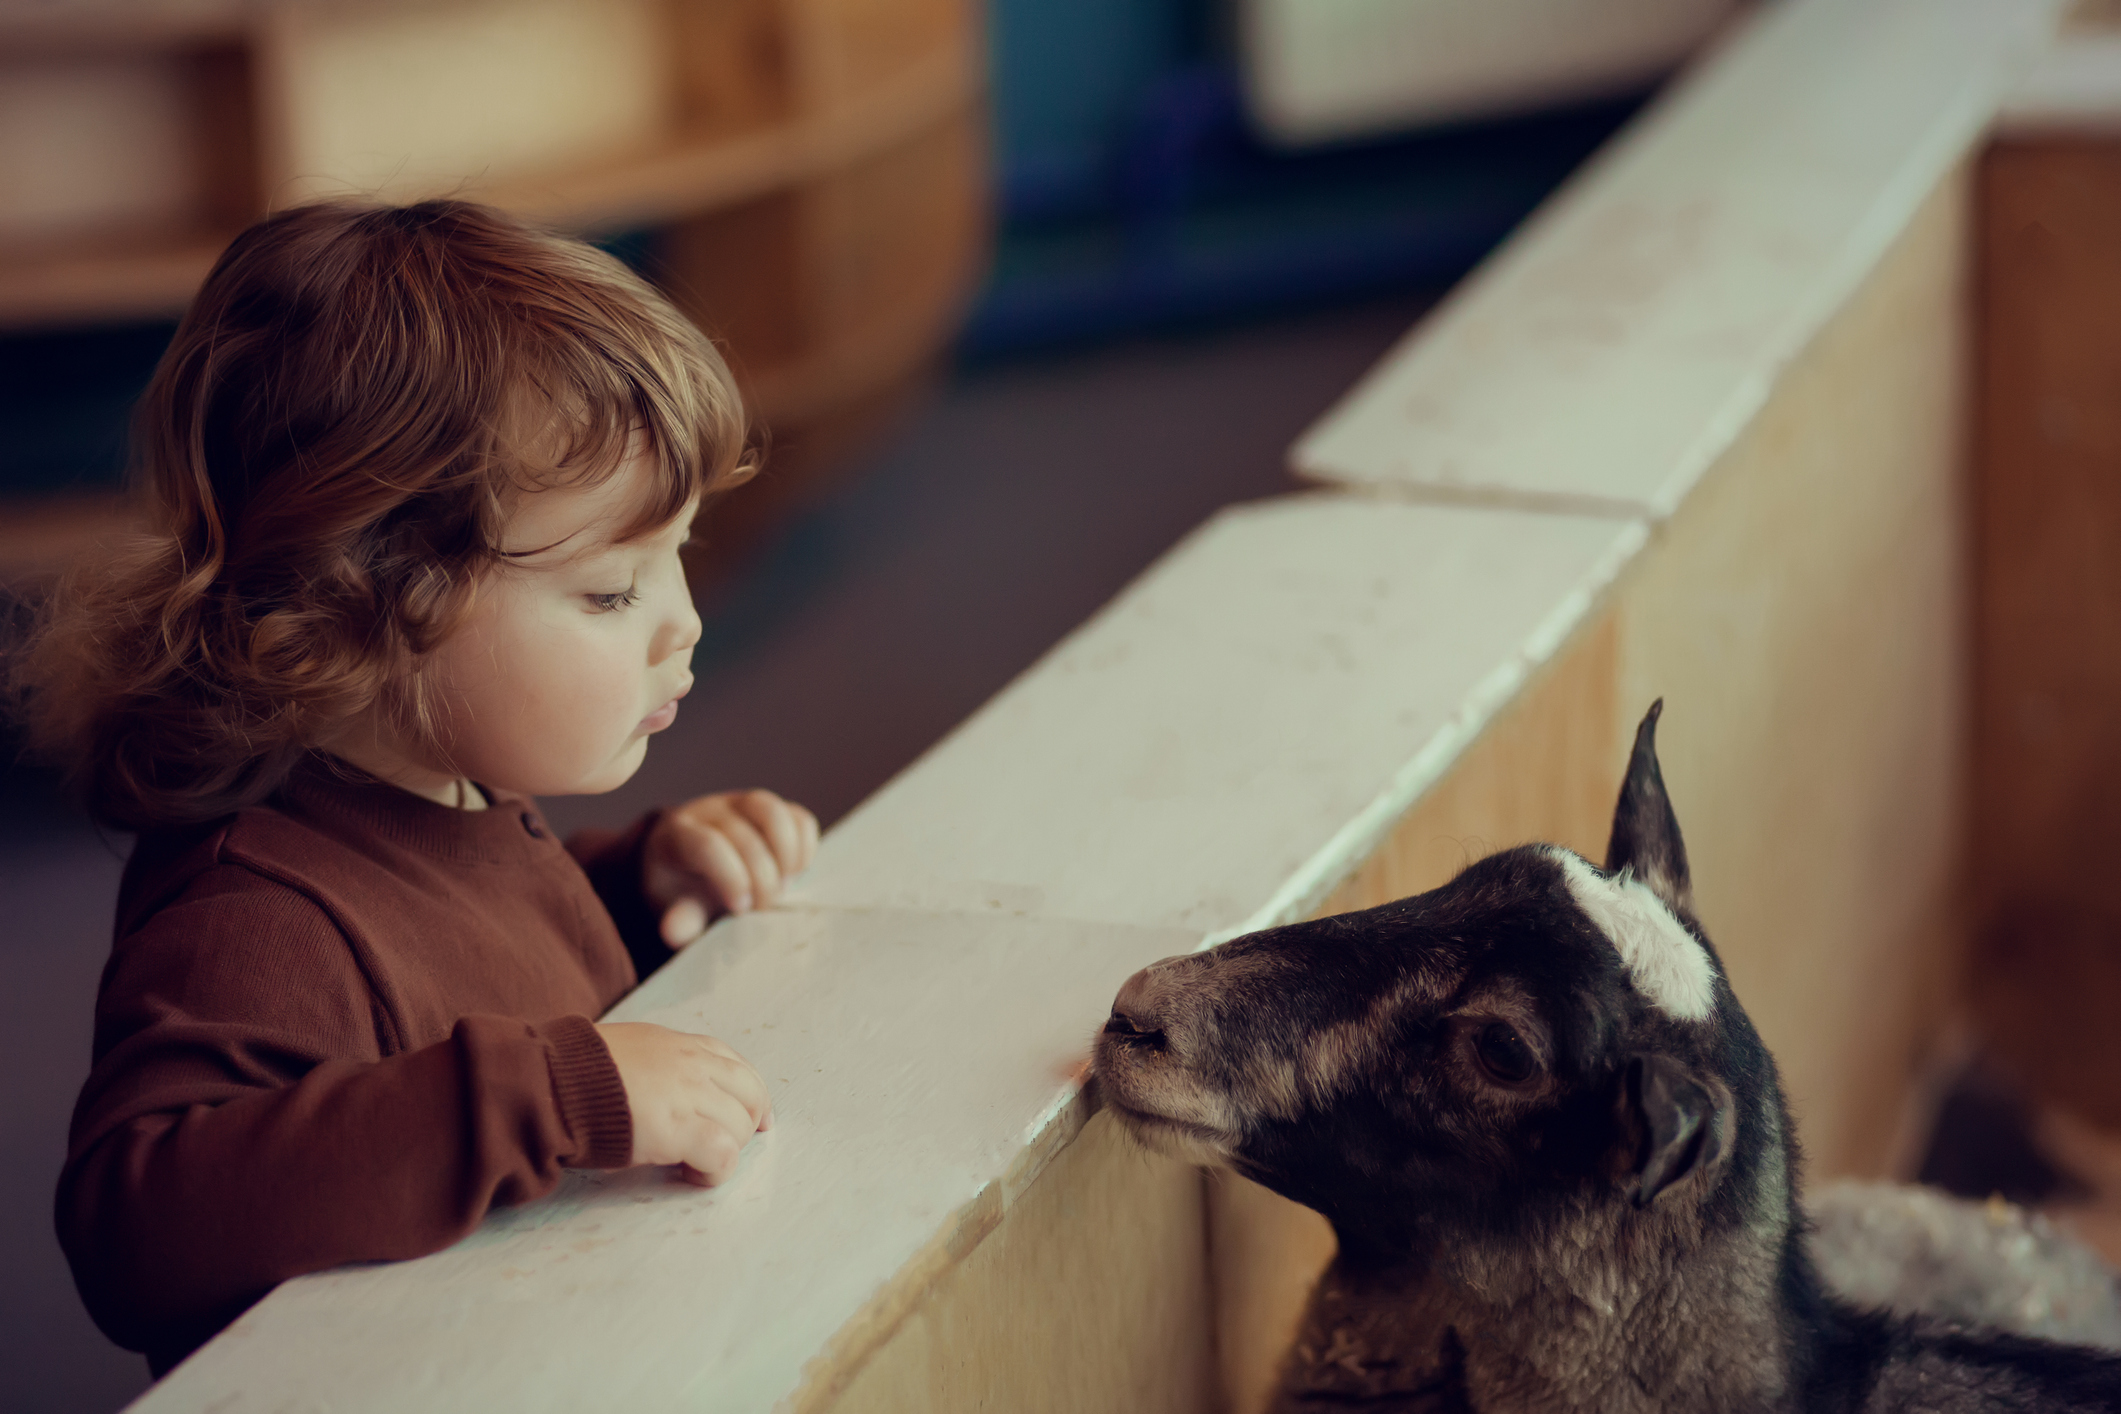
point(1134, 194)
point(1067, 82)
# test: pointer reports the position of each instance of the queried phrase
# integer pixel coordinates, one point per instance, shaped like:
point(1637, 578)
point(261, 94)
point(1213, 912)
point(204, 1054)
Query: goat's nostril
point(1139, 1010)
point(1129, 1032)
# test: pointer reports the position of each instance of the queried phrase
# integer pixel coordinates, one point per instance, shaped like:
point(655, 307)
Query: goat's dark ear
point(1684, 1123)
point(1645, 831)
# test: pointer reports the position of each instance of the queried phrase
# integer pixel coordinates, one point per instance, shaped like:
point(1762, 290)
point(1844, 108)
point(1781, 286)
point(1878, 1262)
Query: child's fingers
point(724, 1124)
point(808, 822)
point(737, 1079)
point(760, 865)
point(718, 1109)
point(715, 1045)
point(684, 922)
point(706, 852)
point(711, 1157)
point(781, 823)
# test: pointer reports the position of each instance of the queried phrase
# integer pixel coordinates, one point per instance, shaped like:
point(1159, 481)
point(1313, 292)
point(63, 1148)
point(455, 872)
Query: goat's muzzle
point(1142, 1061)
point(1140, 1011)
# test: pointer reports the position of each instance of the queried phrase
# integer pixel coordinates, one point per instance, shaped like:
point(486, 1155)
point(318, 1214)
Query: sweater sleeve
point(245, 1122)
point(613, 861)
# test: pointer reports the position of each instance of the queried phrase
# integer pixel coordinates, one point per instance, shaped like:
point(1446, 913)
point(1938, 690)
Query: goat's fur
point(1920, 1252)
point(1552, 1146)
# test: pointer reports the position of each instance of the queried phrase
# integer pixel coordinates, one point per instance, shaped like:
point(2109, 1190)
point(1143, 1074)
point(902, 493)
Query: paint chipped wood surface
point(2075, 85)
point(1091, 1294)
point(908, 1122)
point(1610, 353)
point(1220, 746)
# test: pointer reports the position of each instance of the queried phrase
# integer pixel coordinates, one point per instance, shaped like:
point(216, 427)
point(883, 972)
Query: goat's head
point(1536, 1046)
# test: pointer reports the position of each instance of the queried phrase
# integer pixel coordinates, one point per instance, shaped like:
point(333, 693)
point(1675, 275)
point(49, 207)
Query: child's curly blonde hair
point(326, 454)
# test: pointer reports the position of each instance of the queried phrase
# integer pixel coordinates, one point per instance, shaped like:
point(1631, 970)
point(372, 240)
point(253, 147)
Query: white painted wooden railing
point(1694, 432)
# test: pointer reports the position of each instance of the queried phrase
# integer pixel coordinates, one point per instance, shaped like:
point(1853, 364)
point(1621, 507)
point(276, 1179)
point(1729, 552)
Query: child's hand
point(726, 853)
point(696, 1103)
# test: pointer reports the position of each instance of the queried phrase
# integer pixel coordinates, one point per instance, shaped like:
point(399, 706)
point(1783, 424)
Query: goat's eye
point(1503, 1053)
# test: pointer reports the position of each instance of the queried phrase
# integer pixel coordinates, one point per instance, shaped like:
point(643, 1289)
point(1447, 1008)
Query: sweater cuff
point(592, 1097)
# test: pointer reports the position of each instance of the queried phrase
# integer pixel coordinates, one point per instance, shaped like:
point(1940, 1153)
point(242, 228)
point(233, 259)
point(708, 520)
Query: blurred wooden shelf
point(120, 281)
point(724, 169)
point(154, 275)
point(810, 175)
point(41, 536)
point(77, 24)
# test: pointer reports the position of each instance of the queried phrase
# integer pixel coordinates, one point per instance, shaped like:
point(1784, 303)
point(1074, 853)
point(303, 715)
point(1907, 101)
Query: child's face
point(574, 656)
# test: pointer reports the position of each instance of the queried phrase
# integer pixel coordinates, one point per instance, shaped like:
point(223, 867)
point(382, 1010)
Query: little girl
point(417, 479)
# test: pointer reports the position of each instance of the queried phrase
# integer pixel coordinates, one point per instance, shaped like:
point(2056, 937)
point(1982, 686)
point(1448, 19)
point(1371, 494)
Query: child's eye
point(608, 603)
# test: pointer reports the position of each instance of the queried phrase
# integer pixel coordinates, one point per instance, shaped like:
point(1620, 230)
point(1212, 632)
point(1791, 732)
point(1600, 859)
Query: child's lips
point(664, 715)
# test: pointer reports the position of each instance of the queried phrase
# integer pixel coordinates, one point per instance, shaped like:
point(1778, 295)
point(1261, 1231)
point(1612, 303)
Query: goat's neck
point(1567, 1328)
point(1591, 1330)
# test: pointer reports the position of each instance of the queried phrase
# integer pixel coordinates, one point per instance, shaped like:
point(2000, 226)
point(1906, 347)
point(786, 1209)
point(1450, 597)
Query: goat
point(1553, 1148)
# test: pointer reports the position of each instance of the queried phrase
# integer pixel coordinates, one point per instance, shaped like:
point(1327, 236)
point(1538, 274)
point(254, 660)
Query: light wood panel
point(1803, 618)
point(1088, 1294)
point(1800, 615)
point(1544, 770)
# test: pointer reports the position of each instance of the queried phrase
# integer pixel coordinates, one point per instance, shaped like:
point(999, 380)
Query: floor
point(998, 516)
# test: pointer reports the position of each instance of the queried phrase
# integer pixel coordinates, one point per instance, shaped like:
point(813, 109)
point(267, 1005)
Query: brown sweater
point(338, 1027)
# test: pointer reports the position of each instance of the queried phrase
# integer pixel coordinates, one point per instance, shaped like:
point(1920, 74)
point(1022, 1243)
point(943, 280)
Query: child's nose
point(681, 632)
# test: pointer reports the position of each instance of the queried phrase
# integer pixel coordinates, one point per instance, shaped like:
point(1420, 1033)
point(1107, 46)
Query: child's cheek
point(544, 702)
point(583, 690)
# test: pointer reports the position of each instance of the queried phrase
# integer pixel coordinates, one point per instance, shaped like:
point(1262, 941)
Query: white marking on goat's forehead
point(1667, 963)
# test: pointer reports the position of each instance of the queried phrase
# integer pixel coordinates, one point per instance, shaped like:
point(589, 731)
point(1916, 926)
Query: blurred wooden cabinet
point(809, 174)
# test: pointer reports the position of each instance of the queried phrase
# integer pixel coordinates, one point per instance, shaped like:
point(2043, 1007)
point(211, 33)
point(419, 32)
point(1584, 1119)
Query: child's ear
point(1682, 1122)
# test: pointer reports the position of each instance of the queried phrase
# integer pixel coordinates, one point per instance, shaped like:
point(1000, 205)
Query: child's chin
point(611, 775)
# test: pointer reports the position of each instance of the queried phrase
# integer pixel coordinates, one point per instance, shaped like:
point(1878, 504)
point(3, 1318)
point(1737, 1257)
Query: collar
point(510, 830)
